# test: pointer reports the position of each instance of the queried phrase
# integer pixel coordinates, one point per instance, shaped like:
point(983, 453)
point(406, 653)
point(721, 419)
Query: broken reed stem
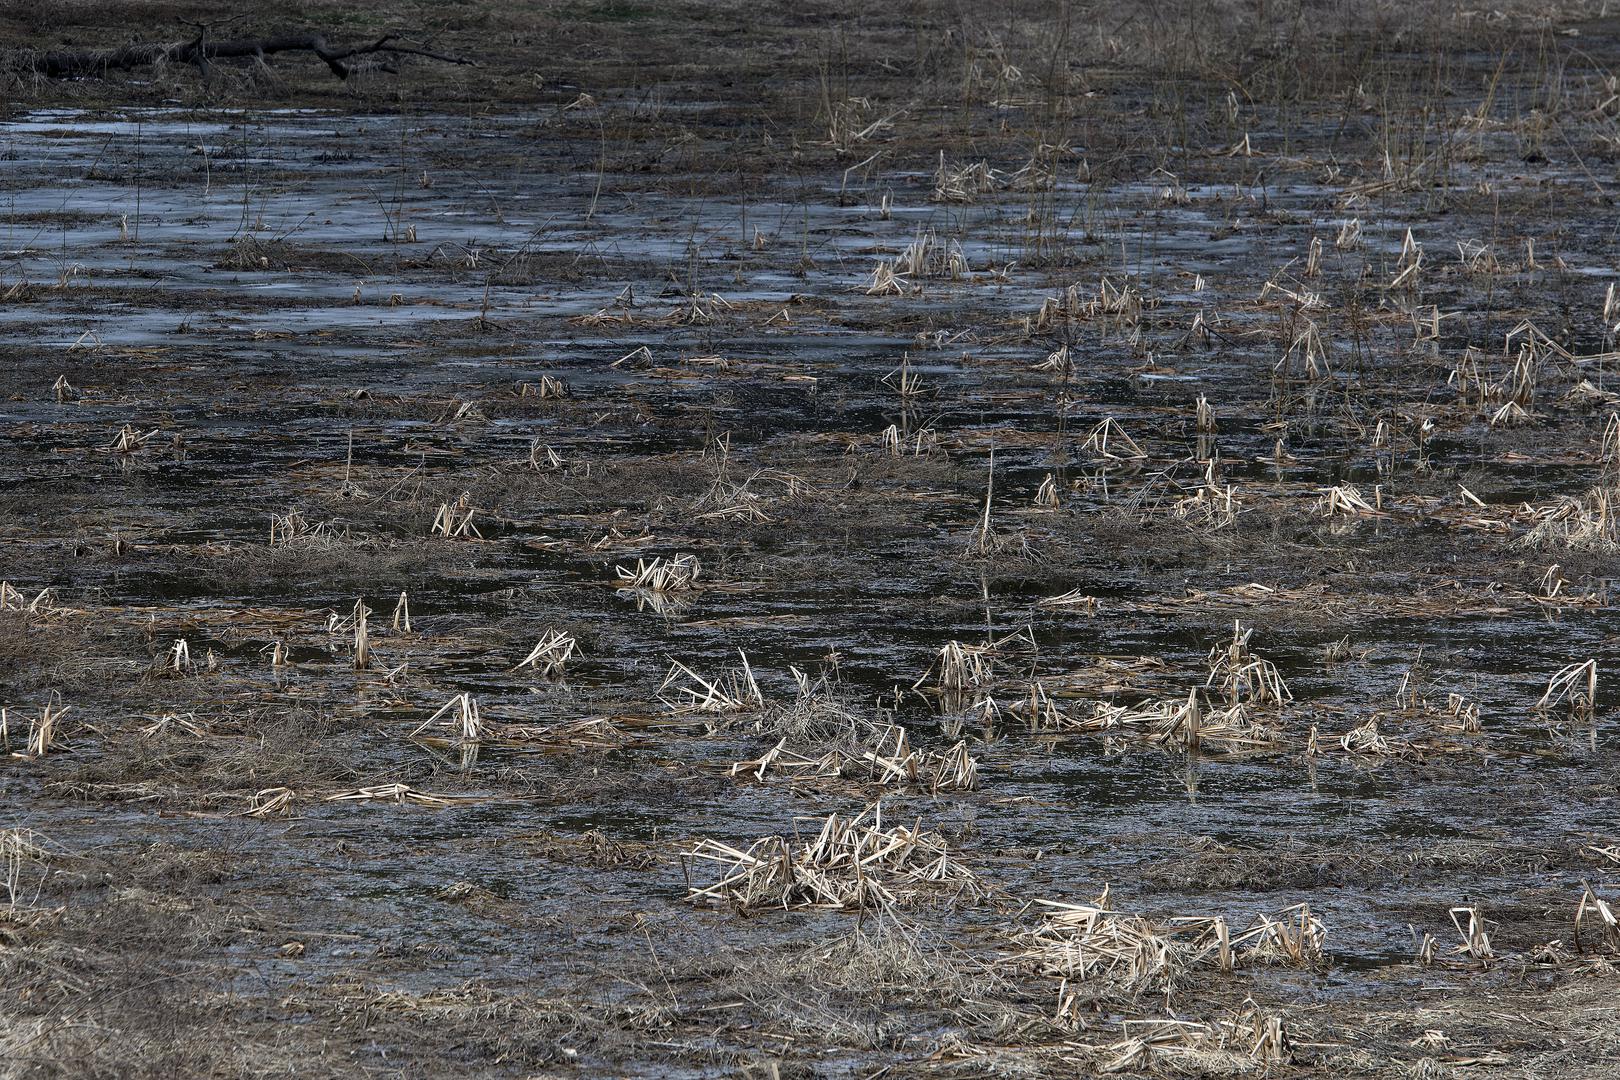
point(989, 489)
point(362, 639)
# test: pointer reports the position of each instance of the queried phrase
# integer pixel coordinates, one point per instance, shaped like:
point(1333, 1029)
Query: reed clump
point(852, 863)
point(1100, 952)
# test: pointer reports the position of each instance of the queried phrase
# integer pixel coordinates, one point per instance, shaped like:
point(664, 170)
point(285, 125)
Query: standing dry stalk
point(550, 654)
point(362, 639)
point(989, 488)
point(891, 440)
point(1047, 495)
point(455, 520)
point(1313, 261)
point(1609, 925)
point(544, 457)
point(735, 691)
point(1057, 361)
point(1476, 938)
point(660, 575)
point(1109, 440)
point(1409, 263)
point(42, 732)
point(1577, 684)
point(1205, 417)
point(402, 613)
point(902, 380)
point(460, 711)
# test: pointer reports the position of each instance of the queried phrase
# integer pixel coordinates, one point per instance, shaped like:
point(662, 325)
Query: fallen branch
point(200, 52)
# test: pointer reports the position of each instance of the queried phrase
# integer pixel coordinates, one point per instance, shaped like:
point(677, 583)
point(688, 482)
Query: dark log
point(199, 53)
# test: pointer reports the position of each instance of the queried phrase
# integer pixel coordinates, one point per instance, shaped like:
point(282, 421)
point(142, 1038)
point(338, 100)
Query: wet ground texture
point(1038, 568)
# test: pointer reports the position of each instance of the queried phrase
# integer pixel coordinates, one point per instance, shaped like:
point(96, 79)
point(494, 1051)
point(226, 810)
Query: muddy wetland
point(1054, 540)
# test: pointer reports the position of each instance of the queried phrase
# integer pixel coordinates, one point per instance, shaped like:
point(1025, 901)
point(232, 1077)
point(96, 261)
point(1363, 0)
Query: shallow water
point(254, 371)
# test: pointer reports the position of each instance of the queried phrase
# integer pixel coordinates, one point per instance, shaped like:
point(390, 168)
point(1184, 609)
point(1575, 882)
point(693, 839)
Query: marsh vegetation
point(826, 541)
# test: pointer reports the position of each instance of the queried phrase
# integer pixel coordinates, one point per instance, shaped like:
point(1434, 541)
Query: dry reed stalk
point(42, 730)
point(1246, 1042)
point(1109, 440)
point(780, 760)
point(1584, 524)
point(1046, 497)
point(1308, 345)
point(1212, 505)
point(21, 848)
point(1509, 414)
point(129, 441)
point(1188, 724)
point(882, 755)
point(543, 458)
point(964, 183)
point(1476, 938)
point(685, 691)
point(1073, 599)
point(700, 310)
point(1302, 299)
point(1365, 738)
point(460, 713)
point(1599, 910)
point(293, 530)
point(1313, 258)
point(1204, 416)
point(1576, 684)
point(989, 491)
point(549, 388)
point(362, 637)
point(186, 722)
point(636, 358)
point(1345, 500)
point(741, 502)
point(454, 520)
point(884, 281)
point(1477, 257)
point(852, 864)
point(1243, 676)
point(959, 667)
point(395, 793)
point(550, 654)
point(1463, 714)
point(1119, 952)
point(1609, 451)
point(660, 575)
point(1057, 362)
point(891, 440)
point(902, 380)
point(43, 603)
point(269, 801)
